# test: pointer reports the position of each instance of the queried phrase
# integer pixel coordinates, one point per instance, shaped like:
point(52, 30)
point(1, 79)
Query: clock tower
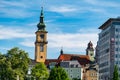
point(41, 40)
point(90, 51)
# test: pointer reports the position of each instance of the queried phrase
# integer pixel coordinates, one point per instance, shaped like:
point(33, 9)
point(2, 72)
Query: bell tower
point(41, 40)
point(90, 51)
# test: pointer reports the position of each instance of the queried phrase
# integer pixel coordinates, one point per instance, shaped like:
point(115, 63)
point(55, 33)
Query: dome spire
point(41, 25)
point(90, 45)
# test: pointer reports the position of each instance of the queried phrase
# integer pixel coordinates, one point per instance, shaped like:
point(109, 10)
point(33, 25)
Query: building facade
point(90, 72)
point(73, 69)
point(108, 48)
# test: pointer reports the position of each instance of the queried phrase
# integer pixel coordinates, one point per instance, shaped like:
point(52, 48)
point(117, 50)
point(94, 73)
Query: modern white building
point(108, 48)
point(73, 68)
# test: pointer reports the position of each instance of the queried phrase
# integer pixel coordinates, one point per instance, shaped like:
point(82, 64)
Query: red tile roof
point(82, 59)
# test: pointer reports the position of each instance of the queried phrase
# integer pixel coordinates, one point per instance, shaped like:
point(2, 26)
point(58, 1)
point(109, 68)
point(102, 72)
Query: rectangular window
point(41, 48)
point(71, 65)
point(116, 49)
point(116, 30)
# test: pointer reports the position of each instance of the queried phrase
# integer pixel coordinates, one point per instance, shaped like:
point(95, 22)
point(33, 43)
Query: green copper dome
point(41, 25)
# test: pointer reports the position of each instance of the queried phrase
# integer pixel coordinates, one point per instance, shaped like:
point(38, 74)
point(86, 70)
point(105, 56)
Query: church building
point(41, 53)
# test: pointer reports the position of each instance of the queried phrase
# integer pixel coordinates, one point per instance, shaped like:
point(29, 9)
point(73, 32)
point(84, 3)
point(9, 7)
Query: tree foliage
point(58, 73)
point(115, 73)
point(40, 72)
point(14, 63)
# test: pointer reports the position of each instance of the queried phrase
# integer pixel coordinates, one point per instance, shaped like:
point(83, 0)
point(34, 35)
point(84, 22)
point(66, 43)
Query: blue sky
point(70, 24)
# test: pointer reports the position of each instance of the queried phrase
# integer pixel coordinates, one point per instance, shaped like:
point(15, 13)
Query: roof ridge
point(72, 54)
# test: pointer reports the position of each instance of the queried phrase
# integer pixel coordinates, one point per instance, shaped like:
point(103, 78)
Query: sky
point(71, 24)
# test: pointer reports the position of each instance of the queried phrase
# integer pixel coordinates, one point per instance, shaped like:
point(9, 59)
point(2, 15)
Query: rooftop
point(108, 22)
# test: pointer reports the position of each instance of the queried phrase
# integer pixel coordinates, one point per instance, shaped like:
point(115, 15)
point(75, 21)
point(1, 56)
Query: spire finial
point(61, 52)
point(41, 12)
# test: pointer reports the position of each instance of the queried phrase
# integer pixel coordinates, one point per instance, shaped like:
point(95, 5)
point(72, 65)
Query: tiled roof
point(47, 61)
point(82, 59)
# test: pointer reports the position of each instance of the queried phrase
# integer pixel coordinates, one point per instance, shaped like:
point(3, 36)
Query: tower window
point(42, 36)
point(41, 48)
point(41, 56)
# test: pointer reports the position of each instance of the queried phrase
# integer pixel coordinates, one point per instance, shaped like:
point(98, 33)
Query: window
point(72, 65)
point(116, 36)
point(116, 30)
point(107, 50)
point(41, 56)
point(42, 37)
point(116, 49)
point(77, 66)
point(41, 48)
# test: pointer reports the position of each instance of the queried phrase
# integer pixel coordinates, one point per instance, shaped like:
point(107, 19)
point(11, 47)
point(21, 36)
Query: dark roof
point(108, 22)
point(47, 61)
point(92, 67)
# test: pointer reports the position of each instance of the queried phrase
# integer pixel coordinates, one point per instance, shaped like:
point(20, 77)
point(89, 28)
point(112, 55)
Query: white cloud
point(10, 33)
point(28, 42)
point(15, 13)
point(90, 30)
point(62, 9)
point(70, 40)
point(16, 9)
point(13, 3)
point(103, 3)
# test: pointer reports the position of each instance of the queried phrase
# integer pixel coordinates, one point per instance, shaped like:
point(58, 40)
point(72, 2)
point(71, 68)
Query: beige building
point(90, 72)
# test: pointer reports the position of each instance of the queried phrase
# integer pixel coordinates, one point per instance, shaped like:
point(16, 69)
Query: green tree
point(115, 73)
point(58, 73)
point(14, 63)
point(40, 72)
point(5, 66)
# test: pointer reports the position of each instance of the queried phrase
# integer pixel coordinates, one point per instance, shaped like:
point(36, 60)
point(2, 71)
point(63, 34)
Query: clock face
point(91, 53)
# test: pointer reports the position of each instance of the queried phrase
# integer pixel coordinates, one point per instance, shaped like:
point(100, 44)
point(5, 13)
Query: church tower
point(90, 51)
point(41, 40)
